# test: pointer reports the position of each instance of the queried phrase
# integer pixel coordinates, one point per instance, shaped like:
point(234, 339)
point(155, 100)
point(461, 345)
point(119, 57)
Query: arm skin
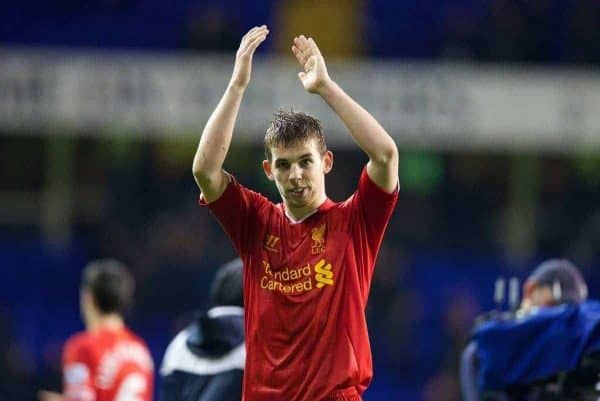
point(370, 136)
point(44, 395)
point(216, 137)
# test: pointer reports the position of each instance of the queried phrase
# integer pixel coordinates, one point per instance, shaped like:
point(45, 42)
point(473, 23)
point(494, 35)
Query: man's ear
point(266, 165)
point(327, 162)
point(86, 300)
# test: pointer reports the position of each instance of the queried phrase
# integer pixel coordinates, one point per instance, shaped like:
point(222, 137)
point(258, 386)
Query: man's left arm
point(77, 372)
point(366, 131)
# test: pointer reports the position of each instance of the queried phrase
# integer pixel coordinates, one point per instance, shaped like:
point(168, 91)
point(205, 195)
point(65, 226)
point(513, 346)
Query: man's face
point(536, 295)
point(541, 296)
point(299, 174)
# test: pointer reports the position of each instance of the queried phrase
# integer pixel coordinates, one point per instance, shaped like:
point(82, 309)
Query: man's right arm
point(216, 137)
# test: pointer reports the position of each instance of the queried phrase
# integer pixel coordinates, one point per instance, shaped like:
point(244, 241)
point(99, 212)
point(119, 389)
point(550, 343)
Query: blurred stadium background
point(495, 105)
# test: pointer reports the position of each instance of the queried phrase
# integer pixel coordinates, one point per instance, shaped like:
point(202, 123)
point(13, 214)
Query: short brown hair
point(290, 128)
point(111, 285)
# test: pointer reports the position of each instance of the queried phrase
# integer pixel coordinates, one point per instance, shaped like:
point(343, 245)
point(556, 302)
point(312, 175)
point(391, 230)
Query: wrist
point(328, 88)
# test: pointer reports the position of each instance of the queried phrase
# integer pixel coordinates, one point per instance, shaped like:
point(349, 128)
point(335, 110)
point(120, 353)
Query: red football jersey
point(305, 291)
point(107, 365)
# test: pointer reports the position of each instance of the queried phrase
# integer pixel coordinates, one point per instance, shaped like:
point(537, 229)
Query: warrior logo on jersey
point(271, 243)
point(318, 237)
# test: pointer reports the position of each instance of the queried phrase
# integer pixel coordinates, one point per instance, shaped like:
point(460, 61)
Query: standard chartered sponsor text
point(288, 280)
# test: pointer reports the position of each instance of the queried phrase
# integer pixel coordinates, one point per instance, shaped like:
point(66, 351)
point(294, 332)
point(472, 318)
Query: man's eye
point(306, 162)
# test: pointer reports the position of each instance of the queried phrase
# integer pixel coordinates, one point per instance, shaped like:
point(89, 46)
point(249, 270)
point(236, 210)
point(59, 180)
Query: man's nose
point(295, 172)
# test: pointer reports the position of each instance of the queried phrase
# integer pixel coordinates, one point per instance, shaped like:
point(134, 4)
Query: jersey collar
point(326, 205)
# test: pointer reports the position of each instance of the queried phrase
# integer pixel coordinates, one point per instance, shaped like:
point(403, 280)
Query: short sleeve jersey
point(107, 365)
point(305, 291)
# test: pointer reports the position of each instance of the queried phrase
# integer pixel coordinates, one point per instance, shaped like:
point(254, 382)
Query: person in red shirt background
point(308, 261)
point(106, 362)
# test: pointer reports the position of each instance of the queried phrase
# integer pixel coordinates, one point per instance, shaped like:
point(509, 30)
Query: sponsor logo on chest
point(299, 279)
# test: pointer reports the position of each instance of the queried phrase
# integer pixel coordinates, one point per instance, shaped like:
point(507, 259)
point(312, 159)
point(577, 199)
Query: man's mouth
point(297, 191)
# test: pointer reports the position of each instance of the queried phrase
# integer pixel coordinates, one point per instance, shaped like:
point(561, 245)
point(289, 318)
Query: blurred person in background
point(106, 362)
point(554, 282)
point(205, 361)
point(548, 350)
point(308, 261)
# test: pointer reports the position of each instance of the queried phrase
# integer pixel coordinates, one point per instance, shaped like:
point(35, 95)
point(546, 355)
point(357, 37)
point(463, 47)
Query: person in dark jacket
point(205, 361)
point(548, 350)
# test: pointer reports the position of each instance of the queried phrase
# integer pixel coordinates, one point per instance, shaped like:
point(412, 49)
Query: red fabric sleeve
point(237, 210)
point(372, 209)
point(77, 372)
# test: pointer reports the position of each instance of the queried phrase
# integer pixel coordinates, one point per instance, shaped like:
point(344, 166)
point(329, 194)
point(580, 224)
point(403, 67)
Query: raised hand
point(314, 76)
point(242, 69)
